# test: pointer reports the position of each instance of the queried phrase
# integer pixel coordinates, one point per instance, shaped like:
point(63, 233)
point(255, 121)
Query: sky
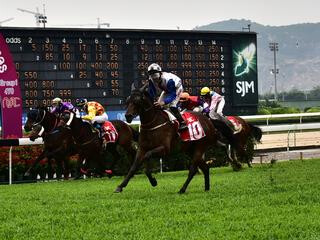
point(161, 14)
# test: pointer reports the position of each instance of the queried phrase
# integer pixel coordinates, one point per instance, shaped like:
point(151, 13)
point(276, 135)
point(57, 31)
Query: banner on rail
point(10, 94)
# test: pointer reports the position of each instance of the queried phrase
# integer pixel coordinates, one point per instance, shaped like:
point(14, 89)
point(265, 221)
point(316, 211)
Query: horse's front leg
point(136, 164)
point(158, 151)
point(235, 163)
point(40, 157)
point(79, 164)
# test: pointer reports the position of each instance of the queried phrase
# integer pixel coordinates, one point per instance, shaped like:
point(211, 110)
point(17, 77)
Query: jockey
point(213, 106)
point(65, 110)
point(95, 113)
point(171, 86)
point(192, 103)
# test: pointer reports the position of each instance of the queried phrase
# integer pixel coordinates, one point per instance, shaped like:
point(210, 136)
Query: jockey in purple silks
point(62, 109)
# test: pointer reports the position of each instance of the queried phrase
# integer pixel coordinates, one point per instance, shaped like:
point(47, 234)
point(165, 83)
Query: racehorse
point(158, 135)
point(61, 142)
point(58, 144)
point(242, 145)
point(90, 144)
point(245, 140)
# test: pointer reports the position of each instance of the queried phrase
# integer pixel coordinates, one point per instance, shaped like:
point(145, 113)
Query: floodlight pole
point(274, 47)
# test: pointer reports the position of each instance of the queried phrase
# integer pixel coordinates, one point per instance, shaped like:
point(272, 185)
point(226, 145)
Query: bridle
point(41, 120)
point(37, 123)
point(144, 126)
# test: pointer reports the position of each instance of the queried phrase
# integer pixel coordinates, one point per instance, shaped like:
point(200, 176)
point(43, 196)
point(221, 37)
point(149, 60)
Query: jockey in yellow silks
point(95, 113)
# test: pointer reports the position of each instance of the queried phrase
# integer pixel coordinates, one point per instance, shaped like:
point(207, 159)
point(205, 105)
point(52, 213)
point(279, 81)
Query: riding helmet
point(154, 68)
point(204, 91)
point(56, 101)
point(82, 102)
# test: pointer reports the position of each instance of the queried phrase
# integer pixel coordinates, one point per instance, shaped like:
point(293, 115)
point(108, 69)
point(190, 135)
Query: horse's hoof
point(109, 173)
point(118, 190)
point(182, 191)
point(153, 182)
point(236, 167)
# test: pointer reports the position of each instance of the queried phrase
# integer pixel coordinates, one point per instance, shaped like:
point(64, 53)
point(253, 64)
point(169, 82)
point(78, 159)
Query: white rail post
point(10, 166)
point(288, 139)
point(160, 165)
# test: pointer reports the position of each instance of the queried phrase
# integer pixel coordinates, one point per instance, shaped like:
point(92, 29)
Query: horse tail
point(256, 132)
point(135, 133)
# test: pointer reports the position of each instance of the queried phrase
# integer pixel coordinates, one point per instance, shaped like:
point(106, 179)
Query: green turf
point(278, 201)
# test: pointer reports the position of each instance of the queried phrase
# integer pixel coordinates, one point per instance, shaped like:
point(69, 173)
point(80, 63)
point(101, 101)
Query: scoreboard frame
point(104, 64)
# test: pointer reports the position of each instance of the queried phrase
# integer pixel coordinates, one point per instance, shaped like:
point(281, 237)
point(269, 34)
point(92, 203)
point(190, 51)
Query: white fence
point(291, 115)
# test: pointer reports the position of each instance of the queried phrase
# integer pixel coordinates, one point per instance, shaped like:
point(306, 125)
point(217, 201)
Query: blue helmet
point(82, 102)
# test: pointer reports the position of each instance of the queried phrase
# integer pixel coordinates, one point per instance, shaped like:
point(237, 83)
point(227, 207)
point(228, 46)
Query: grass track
point(279, 201)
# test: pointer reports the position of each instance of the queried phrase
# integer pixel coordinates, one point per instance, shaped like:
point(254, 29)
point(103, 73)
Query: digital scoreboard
point(104, 64)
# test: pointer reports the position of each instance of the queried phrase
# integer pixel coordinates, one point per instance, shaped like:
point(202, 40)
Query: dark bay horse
point(158, 136)
point(58, 144)
point(90, 145)
point(242, 144)
point(245, 141)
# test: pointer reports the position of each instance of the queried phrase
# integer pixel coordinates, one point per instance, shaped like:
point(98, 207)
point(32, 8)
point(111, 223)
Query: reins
point(143, 126)
point(44, 114)
point(42, 129)
point(154, 128)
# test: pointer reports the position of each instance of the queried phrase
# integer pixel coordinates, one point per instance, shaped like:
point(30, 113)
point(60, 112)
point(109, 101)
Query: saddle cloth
point(237, 125)
point(109, 132)
point(194, 131)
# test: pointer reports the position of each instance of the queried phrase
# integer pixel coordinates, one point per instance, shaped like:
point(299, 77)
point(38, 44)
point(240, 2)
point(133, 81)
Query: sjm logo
point(244, 87)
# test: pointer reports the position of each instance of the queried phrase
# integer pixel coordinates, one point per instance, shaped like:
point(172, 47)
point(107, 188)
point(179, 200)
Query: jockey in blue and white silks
point(171, 86)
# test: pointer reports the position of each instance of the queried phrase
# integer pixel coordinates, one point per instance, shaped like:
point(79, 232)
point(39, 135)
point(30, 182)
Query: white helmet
point(154, 68)
point(56, 101)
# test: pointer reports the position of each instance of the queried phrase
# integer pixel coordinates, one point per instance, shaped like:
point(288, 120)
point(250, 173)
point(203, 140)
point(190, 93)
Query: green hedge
point(312, 109)
point(24, 156)
point(277, 110)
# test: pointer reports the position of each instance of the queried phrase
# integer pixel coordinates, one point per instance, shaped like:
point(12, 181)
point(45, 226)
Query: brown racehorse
point(245, 141)
point(58, 145)
point(242, 143)
point(158, 136)
point(61, 142)
point(90, 145)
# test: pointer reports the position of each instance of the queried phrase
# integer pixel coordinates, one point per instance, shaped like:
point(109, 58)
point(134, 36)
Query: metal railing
point(289, 115)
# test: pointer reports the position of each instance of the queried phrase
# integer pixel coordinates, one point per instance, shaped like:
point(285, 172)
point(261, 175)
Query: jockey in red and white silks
point(213, 102)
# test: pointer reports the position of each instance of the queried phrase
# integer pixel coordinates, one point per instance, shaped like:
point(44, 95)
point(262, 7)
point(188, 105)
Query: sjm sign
point(244, 87)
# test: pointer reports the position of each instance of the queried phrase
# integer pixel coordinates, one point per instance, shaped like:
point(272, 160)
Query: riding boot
point(227, 128)
point(176, 113)
point(227, 122)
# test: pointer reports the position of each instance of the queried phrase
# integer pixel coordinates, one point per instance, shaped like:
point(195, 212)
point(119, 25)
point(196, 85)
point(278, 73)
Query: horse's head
point(34, 117)
point(138, 102)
